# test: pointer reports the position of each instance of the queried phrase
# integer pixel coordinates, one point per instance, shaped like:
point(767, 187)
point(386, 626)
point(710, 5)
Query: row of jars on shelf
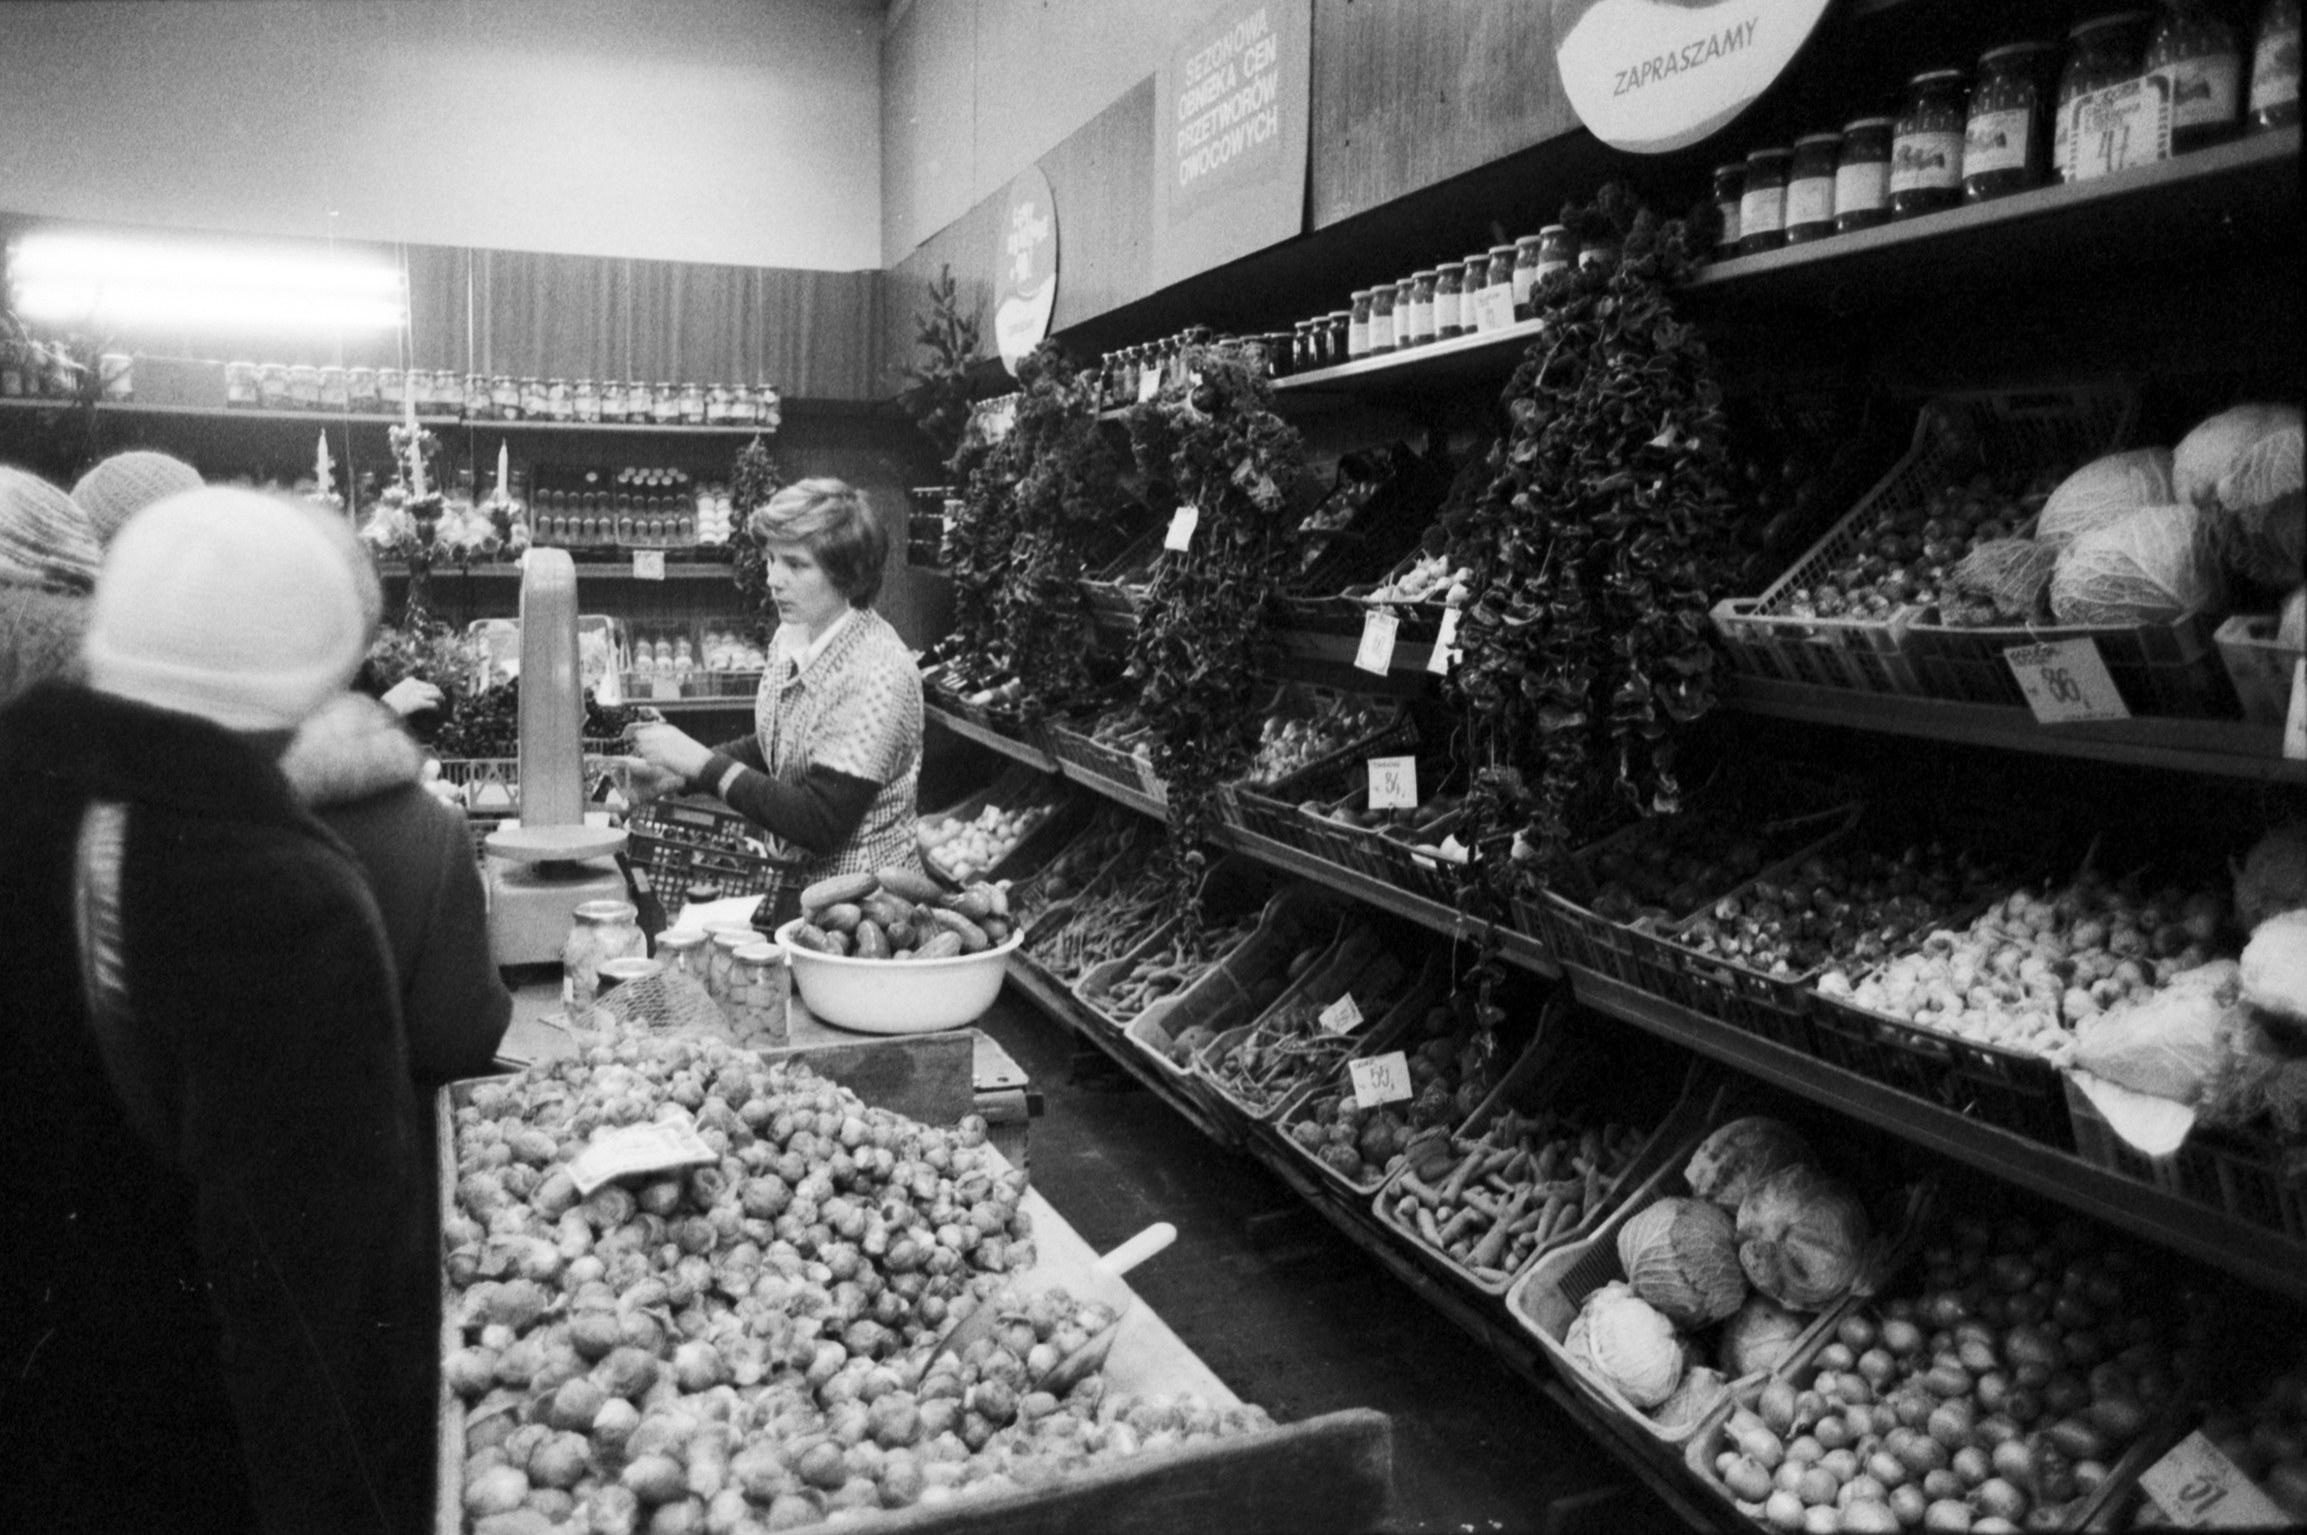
point(2125, 96)
point(501, 397)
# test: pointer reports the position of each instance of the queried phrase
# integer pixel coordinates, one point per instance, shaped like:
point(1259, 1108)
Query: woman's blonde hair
point(837, 525)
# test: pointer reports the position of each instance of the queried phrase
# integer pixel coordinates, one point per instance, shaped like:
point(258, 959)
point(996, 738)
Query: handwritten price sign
point(1393, 783)
point(1445, 644)
point(1376, 652)
point(2200, 1489)
point(648, 564)
point(2066, 683)
point(631, 1150)
point(1381, 1079)
point(1183, 521)
point(1342, 1016)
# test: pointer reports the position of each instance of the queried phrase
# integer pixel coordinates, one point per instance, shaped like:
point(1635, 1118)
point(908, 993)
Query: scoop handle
point(1137, 1249)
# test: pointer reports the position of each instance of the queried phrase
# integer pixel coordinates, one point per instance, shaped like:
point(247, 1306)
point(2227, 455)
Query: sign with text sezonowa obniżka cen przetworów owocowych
point(1650, 76)
point(1230, 126)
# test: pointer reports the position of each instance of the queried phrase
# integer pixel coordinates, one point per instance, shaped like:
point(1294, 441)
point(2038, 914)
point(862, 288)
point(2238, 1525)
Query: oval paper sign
point(1649, 76)
point(1025, 267)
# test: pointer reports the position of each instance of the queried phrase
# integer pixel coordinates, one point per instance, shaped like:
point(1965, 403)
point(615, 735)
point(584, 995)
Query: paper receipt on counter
point(634, 1150)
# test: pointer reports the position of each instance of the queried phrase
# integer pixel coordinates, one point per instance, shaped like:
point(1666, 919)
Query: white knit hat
point(227, 604)
point(127, 483)
point(44, 539)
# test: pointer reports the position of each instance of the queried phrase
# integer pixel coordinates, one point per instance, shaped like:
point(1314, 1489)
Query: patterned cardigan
point(856, 709)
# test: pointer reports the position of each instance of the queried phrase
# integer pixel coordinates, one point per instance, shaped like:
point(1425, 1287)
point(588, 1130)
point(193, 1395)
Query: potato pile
point(1289, 744)
point(898, 914)
point(748, 1345)
point(1903, 557)
point(963, 850)
point(1491, 1202)
point(1451, 1072)
point(1670, 867)
point(2038, 962)
point(1991, 1399)
point(1428, 578)
point(1847, 904)
point(2267, 1439)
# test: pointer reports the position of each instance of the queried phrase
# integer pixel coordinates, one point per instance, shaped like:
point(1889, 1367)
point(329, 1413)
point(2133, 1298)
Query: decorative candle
point(504, 474)
point(323, 471)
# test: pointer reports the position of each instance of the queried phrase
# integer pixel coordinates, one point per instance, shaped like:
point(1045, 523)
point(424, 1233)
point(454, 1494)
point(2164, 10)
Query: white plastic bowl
point(896, 996)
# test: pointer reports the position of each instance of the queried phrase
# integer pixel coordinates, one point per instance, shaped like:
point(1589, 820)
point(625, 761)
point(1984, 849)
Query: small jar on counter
point(2102, 51)
point(755, 1005)
point(1525, 275)
point(1420, 289)
point(2201, 56)
point(1926, 152)
point(1729, 190)
point(683, 953)
point(1449, 285)
point(1358, 325)
point(614, 973)
point(360, 390)
point(2006, 138)
point(599, 931)
point(665, 404)
point(1341, 323)
point(727, 939)
point(241, 391)
point(1810, 187)
point(2275, 67)
point(1382, 319)
point(303, 386)
point(505, 397)
point(1557, 252)
point(1862, 175)
point(1762, 206)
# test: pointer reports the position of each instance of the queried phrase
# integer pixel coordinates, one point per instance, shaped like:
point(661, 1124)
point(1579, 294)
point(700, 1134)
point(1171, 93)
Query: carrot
point(1493, 1243)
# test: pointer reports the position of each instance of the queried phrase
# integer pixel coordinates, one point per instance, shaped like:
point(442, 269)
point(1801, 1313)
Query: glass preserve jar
point(1762, 206)
point(1498, 278)
point(2200, 57)
point(2275, 67)
point(2006, 143)
point(360, 390)
point(727, 938)
point(240, 386)
point(1557, 252)
point(480, 405)
point(1729, 188)
point(391, 387)
point(1341, 324)
point(332, 388)
point(683, 953)
point(600, 930)
point(1421, 286)
point(1449, 283)
point(1358, 325)
point(2102, 51)
point(1810, 187)
point(1382, 319)
point(1525, 274)
point(692, 405)
point(559, 404)
point(755, 1005)
point(272, 388)
point(505, 395)
point(1926, 151)
point(304, 386)
point(585, 400)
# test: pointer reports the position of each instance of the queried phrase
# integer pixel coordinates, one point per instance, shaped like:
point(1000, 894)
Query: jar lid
point(1422, 276)
point(630, 968)
point(1818, 138)
point(1525, 242)
point(1734, 168)
point(608, 911)
point(527, 380)
point(1768, 155)
point(2013, 50)
point(734, 939)
point(1551, 229)
point(1362, 293)
point(1501, 250)
point(2111, 19)
point(681, 942)
point(1857, 124)
point(756, 954)
point(1935, 74)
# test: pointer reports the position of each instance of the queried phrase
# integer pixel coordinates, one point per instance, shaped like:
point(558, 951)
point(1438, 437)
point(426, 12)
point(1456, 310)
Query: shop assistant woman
point(831, 768)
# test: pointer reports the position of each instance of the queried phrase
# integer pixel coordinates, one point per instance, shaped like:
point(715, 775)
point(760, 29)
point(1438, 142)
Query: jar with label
point(1926, 151)
point(2275, 67)
point(2006, 139)
point(1421, 306)
point(332, 388)
point(1498, 280)
point(585, 400)
point(2101, 52)
point(1862, 175)
point(683, 952)
point(360, 390)
point(1525, 276)
point(756, 1002)
point(2201, 57)
point(1381, 319)
point(304, 386)
point(1449, 283)
point(391, 386)
point(1729, 188)
point(480, 403)
point(1358, 326)
point(1341, 335)
point(1762, 206)
point(692, 405)
point(1557, 252)
point(272, 386)
point(600, 930)
point(448, 391)
point(535, 405)
point(668, 409)
point(559, 406)
point(240, 386)
point(1810, 187)
point(505, 395)
point(1473, 273)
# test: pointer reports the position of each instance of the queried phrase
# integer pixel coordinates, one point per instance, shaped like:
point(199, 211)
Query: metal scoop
point(1102, 1283)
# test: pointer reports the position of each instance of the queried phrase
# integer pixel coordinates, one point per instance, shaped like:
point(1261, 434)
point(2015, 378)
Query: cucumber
point(809, 936)
point(975, 903)
point(910, 884)
point(838, 888)
point(973, 939)
point(872, 942)
point(888, 910)
point(840, 917)
point(946, 945)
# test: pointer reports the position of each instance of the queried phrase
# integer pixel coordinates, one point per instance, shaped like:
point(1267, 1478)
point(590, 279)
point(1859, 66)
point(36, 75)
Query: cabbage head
point(1631, 1345)
point(1741, 1154)
point(1802, 1237)
point(1681, 1255)
point(1761, 1336)
point(2106, 490)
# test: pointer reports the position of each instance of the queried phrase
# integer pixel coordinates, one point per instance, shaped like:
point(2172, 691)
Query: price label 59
point(1381, 1079)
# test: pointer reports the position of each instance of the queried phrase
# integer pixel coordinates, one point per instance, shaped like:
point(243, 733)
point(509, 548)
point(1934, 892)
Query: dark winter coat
point(355, 767)
point(214, 1290)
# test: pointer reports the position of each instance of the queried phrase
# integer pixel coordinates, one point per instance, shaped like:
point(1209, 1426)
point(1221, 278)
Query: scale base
point(533, 905)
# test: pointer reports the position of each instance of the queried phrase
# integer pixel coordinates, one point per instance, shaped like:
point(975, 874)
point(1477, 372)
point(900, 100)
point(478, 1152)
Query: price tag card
point(2119, 127)
point(1445, 644)
point(2198, 1488)
point(648, 564)
point(1149, 384)
point(633, 1150)
point(1183, 521)
point(2066, 683)
point(2295, 720)
point(1376, 652)
point(1381, 1079)
point(1342, 1016)
point(1393, 783)
point(1494, 308)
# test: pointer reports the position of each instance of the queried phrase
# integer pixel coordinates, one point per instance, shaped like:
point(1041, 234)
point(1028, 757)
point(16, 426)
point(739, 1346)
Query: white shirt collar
point(800, 652)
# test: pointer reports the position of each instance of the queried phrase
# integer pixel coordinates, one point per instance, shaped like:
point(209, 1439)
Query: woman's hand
point(670, 748)
point(411, 696)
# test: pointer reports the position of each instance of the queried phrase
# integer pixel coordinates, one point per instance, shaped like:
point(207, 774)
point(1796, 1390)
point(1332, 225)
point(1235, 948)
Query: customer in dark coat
point(214, 1279)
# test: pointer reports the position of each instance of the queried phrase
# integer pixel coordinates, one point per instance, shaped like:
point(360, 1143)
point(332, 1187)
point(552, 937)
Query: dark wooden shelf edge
point(702, 571)
point(2261, 1257)
point(992, 740)
point(2226, 748)
point(802, 409)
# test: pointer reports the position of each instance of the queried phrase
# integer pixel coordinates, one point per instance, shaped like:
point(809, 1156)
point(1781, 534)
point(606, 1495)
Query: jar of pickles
point(1381, 319)
point(614, 973)
point(272, 387)
point(1341, 323)
point(1762, 206)
point(2275, 67)
point(2101, 52)
point(684, 952)
point(1498, 280)
point(1421, 287)
point(304, 386)
point(536, 405)
point(2200, 57)
point(360, 390)
point(1810, 187)
point(505, 396)
point(559, 405)
point(332, 388)
point(1729, 187)
point(755, 1006)
point(480, 403)
point(240, 386)
point(1525, 275)
point(391, 388)
point(601, 930)
point(2006, 138)
point(665, 404)
point(1926, 151)
point(1449, 283)
point(692, 405)
point(585, 400)
point(1557, 252)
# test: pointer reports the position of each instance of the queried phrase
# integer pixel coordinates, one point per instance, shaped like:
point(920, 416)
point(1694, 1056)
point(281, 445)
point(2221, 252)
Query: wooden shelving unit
point(587, 570)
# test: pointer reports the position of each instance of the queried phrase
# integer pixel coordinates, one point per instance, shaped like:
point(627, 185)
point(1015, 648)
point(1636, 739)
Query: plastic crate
point(1386, 1033)
point(1019, 786)
point(2258, 666)
point(2011, 1089)
point(2006, 429)
point(686, 842)
point(1359, 962)
point(1269, 808)
point(2166, 669)
point(2244, 1176)
point(1246, 982)
point(1029, 897)
point(1118, 587)
point(1107, 764)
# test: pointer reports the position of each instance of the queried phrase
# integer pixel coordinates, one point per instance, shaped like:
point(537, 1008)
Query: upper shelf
point(2224, 195)
point(801, 409)
point(703, 570)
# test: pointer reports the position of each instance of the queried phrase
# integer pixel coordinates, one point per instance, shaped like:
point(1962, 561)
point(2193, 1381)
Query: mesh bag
point(672, 1003)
